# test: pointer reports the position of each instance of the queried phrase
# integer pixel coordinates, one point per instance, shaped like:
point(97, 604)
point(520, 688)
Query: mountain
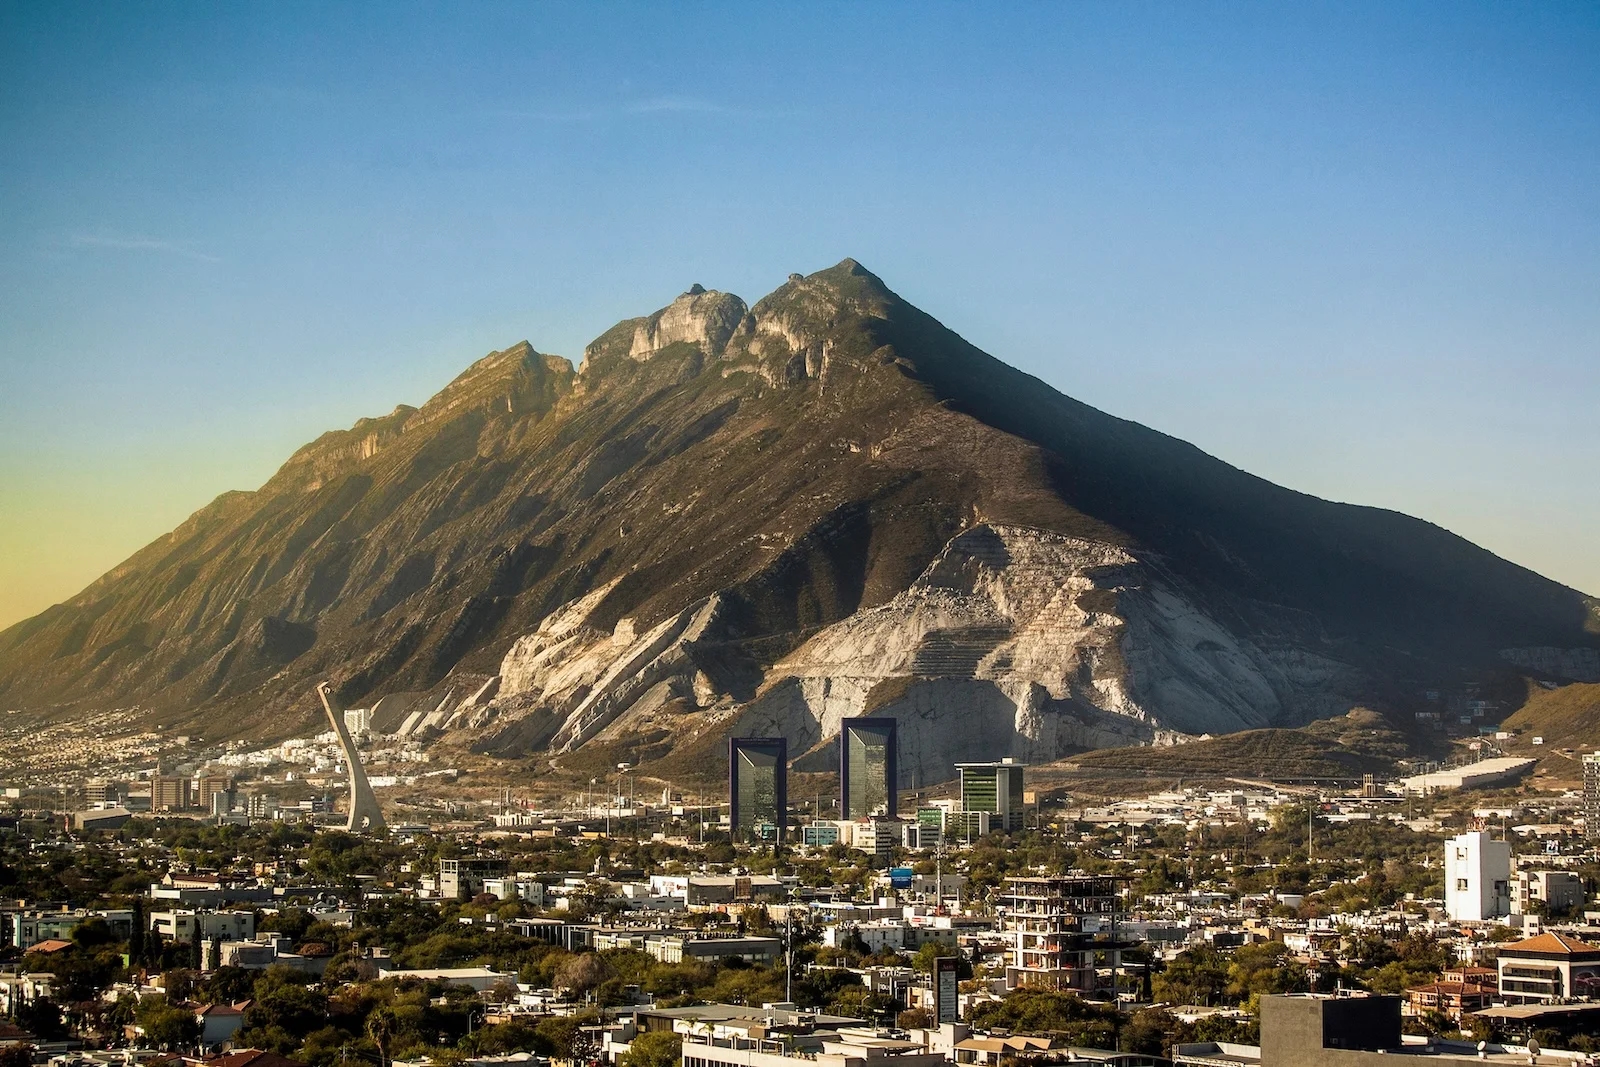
point(1566, 718)
point(762, 518)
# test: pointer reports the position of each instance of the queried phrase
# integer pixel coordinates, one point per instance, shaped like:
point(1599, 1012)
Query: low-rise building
point(1546, 892)
point(1547, 968)
point(184, 925)
point(28, 928)
point(463, 879)
point(1451, 999)
point(704, 891)
point(675, 948)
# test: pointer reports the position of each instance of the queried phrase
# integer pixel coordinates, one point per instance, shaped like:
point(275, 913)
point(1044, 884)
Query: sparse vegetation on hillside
point(1358, 743)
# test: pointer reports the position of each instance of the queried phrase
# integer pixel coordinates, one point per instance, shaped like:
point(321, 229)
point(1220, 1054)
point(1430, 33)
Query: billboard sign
point(946, 990)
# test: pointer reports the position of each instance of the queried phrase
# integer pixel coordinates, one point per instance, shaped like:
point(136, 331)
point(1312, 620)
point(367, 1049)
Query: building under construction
point(1064, 932)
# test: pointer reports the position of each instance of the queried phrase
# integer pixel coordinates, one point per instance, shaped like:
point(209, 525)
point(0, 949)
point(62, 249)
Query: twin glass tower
point(758, 778)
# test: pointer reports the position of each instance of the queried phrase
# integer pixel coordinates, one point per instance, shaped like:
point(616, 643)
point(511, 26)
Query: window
point(1461, 885)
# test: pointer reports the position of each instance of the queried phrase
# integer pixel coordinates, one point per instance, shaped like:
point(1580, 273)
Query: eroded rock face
point(700, 317)
point(769, 518)
point(1013, 641)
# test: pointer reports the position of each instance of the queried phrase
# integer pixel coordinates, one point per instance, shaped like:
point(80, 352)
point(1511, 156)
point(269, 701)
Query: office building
point(758, 788)
point(995, 788)
point(1548, 968)
point(100, 791)
point(1062, 930)
point(463, 879)
point(868, 765)
point(1591, 794)
point(1546, 892)
point(170, 793)
point(1477, 877)
point(210, 786)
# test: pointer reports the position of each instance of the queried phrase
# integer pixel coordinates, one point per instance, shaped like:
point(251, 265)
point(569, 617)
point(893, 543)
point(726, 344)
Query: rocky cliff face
point(765, 518)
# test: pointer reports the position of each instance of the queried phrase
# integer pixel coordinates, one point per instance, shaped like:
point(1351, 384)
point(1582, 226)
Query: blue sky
point(1352, 248)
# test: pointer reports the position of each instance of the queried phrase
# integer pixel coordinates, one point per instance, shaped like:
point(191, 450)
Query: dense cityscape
point(799, 535)
point(215, 907)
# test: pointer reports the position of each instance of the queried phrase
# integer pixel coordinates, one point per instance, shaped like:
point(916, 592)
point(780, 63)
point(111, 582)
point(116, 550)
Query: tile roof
point(1551, 944)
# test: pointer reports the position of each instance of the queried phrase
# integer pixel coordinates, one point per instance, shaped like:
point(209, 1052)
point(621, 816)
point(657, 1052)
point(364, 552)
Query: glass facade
point(758, 787)
point(995, 788)
point(867, 768)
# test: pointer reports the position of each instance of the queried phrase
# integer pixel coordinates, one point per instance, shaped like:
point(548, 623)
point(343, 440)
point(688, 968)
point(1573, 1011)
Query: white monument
point(364, 811)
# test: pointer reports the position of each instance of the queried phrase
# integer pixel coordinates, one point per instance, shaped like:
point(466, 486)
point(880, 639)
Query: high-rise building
point(1591, 794)
point(170, 793)
point(868, 765)
point(1477, 877)
point(758, 787)
point(210, 786)
point(1063, 931)
point(100, 791)
point(358, 721)
point(995, 788)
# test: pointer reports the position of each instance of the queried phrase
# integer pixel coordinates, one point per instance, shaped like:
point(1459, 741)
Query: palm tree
point(380, 1027)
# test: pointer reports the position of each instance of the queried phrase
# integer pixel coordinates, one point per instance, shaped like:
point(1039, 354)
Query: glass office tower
point(758, 787)
point(995, 788)
point(867, 768)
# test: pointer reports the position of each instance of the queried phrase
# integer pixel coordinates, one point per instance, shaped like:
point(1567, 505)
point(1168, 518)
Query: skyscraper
point(758, 786)
point(1591, 794)
point(868, 763)
point(995, 788)
point(170, 793)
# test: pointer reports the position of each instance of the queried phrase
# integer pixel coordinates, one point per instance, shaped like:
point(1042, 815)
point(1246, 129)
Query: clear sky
point(1354, 249)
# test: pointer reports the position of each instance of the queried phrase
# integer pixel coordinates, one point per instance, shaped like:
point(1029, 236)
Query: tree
point(1196, 975)
point(1263, 968)
point(137, 937)
point(582, 973)
point(229, 985)
point(381, 1028)
point(92, 933)
point(166, 1026)
point(658, 1048)
point(16, 1056)
point(42, 1018)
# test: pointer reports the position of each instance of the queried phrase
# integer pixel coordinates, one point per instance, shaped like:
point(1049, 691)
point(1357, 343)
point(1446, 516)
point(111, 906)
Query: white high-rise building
point(1477, 877)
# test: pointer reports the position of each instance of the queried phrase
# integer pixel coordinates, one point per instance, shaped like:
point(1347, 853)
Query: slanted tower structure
point(364, 811)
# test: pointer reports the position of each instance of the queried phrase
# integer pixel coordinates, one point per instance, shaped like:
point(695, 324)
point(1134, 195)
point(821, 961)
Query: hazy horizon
point(1348, 249)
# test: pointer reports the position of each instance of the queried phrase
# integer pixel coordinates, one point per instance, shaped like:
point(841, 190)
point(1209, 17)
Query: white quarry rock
point(1014, 641)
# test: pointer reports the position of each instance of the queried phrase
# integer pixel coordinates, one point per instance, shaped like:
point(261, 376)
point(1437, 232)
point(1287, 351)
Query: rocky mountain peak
point(748, 519)
point(701, 317)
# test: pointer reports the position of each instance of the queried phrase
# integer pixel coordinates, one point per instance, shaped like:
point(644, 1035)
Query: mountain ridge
point(754, 477)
